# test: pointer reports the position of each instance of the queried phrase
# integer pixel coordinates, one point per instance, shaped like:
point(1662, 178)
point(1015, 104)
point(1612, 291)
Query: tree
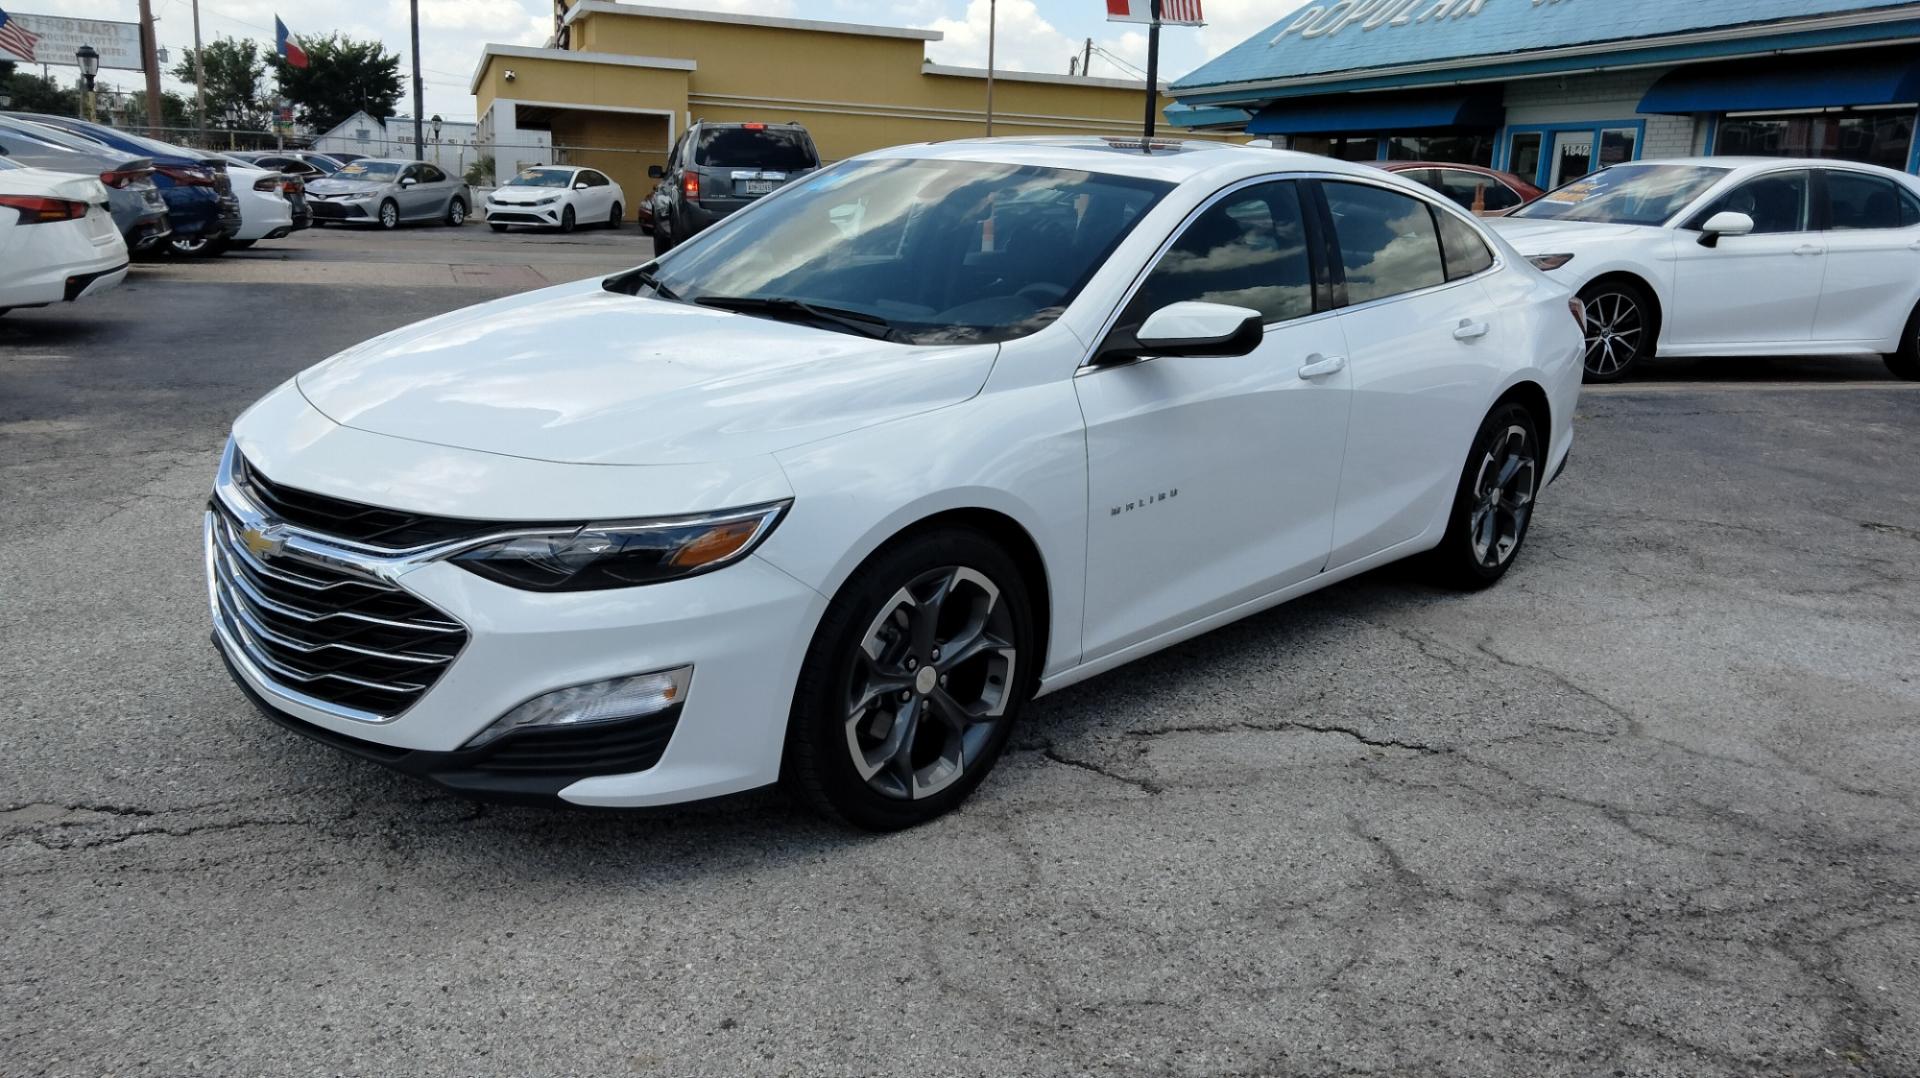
point(342, 76)
point(235, 71)
point(31, 93)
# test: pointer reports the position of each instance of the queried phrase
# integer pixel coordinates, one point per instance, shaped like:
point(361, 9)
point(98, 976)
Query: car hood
point(576, 374)
point(512, 193)
point(1542, 236)
point(331, 186)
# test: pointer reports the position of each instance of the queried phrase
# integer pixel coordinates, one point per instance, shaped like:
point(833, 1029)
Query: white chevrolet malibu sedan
point(829, 492)
point(1734, 256)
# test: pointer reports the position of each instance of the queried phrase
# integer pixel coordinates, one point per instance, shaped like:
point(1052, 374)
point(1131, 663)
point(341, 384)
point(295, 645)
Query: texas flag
point(1172, 12)
point(288, 48)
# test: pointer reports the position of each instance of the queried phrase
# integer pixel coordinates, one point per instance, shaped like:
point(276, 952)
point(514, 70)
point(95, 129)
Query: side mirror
point(1193, 328)
point(1724, 223)
point(655, 172)
point(408, 182)
point(579, 186)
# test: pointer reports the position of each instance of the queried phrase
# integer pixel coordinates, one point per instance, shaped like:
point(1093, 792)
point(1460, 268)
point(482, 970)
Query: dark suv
point(716, 169)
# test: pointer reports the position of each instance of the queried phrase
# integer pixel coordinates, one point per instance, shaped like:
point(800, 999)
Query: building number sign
point(1327, 19)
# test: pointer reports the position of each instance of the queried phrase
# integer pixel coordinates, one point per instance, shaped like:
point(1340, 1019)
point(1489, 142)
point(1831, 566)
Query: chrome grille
point(351, 643)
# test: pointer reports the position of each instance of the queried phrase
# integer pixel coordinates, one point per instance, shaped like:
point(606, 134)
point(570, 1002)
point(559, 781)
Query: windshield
point(1625, 195)
point(322, 164)
point(772, 149)
point(543, 177)
point(370, 171)
point(937, 252)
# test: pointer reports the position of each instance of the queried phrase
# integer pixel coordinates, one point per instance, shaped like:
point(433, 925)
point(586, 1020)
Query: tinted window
point(1388, 243)
point(1249, 250)
point(1777, 203)
point(1466, 253)
point(1861, 201)
point(430, 174)
point(777, 149)
point(943, 251)
point(1472, 191)
point(594, 179)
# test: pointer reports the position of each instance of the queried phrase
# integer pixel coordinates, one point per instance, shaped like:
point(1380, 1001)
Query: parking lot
point(1646, 808)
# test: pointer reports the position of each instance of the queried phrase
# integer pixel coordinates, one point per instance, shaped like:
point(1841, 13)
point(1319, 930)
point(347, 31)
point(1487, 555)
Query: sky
point(1032, 35)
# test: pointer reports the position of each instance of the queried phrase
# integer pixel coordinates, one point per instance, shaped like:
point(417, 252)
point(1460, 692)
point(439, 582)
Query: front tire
point(1493, 504)
point(389, 215)
point(1905, 364)
point(456, 213)
point(913, 682)
point(566, 219)
point(1621, 329)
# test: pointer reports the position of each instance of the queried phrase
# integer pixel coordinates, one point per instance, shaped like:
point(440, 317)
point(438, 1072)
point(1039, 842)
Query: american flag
point(1172, 12)
point(17, 39)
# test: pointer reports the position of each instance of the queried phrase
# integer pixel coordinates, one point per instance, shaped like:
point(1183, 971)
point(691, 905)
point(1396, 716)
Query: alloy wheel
point(389, 215)
point(1502, 497)
point(1615, 328)
point(457, 213)
point(930, 683)
point(188, 246)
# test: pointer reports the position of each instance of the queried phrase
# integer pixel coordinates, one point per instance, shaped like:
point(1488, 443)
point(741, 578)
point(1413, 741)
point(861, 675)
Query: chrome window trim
point(1417, 193)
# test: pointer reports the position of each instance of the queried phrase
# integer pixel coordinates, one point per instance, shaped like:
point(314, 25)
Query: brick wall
point(1610, 96)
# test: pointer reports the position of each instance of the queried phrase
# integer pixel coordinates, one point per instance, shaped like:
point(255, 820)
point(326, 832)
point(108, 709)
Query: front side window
point(1248, 250)
point(1388, 242)
point(1633, 194)
point(1780, 202)
point(920, 251)
point(430, 174)
point(1861, 201)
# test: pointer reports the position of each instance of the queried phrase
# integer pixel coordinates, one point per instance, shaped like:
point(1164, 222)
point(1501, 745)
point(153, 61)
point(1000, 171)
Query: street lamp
point(436, 127)
point(89, 59)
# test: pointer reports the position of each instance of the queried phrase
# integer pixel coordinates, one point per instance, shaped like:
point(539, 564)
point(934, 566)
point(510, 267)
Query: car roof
point(1173, 160)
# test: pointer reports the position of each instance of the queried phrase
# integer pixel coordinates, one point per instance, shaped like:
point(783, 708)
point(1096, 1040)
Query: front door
point(1746, 292)
point(1572, 156)
point(1212, 480)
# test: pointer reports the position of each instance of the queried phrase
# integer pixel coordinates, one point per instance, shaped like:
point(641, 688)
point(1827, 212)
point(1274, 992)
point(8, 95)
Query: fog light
point(595, 702)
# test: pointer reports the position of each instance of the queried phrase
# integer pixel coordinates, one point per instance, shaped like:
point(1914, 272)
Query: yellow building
point(625, 80)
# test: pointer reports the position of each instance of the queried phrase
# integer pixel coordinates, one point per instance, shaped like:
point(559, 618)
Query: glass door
point(1572, 156)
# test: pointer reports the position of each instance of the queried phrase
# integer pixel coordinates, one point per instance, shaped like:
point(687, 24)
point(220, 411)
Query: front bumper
point(744, 630)
point(325, 209)
point(508, 213)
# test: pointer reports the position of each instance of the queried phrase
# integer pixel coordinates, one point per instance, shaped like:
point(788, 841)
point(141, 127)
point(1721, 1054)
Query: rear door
point(1424, 342)
point(1746, 292)
point(1873, 258)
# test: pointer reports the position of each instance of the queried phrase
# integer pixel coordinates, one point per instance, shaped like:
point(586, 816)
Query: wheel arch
point(1533, 396)
point(1644, 284)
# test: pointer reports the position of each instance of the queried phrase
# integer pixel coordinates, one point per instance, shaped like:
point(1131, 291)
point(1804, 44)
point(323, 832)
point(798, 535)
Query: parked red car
point(1486, 192)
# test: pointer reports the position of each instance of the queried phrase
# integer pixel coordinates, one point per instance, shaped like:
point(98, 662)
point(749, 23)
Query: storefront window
point(1874, 138)
point(1473, 149)
point(1525, 159)
point(1344, 147)
point(1562, 153)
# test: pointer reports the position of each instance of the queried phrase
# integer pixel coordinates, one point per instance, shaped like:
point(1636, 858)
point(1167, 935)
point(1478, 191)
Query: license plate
point(759, 187)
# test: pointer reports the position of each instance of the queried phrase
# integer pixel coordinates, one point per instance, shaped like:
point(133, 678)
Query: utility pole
point(149, 59)
point(1086, 60)
point(199, 78)
point(419, 122)
point(1153, 67)
point(992, 18)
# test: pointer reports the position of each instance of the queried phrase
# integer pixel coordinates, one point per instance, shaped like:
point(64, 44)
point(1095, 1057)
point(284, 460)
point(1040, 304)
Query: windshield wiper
point(631, 281)
point(871, 325)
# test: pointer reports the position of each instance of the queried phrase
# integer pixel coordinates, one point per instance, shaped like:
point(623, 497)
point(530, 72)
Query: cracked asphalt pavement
point(1646, 809)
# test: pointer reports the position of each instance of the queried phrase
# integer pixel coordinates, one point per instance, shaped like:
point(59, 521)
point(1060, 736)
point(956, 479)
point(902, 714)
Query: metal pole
point(1153, 67)
point(199, 78)
point(419, 121)
point(150, 59)
point(992, 18)
point(1086, 60)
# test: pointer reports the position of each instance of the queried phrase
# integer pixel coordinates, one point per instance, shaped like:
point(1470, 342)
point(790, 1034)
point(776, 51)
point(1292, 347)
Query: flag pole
point(1153, 67)
point(419, 121)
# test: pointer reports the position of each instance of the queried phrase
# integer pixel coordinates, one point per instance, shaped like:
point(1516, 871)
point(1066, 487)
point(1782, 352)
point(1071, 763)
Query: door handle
point(1319, 366)
point(1469, 330)
point(1809, 249)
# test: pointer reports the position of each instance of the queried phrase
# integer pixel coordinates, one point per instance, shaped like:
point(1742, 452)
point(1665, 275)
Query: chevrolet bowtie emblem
point(260, 543)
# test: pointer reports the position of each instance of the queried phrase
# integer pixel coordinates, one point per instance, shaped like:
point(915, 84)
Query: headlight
point(547, 201)
point(1549, 262)
point(624, 554)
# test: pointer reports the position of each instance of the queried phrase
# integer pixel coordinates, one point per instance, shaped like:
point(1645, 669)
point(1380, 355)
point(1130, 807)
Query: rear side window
point(1867, 202)
point(770, 148)
point(1249, 250)
point(1388, 242)
point(1465, 252)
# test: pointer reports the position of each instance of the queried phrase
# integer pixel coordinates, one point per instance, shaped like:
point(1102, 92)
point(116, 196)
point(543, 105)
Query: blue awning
point(1748, 87)
point(1382, 113)
point(1195, 117)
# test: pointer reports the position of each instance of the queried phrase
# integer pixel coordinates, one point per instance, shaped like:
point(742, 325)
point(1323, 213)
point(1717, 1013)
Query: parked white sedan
point(266, 211)
point(58, 241)
point(828, 492)
point(1727, 256)
point(557, 196)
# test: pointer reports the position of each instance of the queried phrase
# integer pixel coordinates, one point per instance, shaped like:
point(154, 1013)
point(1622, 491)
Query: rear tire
point(1493, 505)
point(614, 218)
point(1622, 327)
point(1905, 364)
point(887, 731)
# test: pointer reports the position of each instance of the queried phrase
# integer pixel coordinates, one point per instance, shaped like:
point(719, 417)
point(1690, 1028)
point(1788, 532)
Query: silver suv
point(716, 169)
